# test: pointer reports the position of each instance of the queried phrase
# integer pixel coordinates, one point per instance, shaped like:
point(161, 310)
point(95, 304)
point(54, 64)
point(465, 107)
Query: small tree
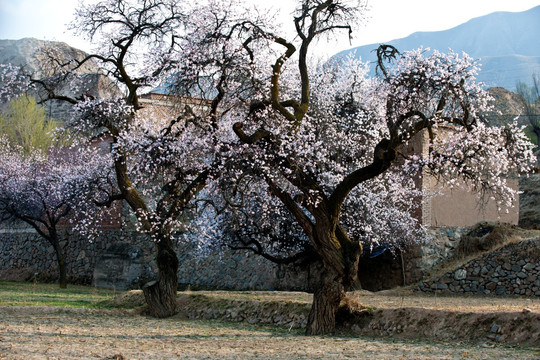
point(161, 161)
point(49, 193)
point(25, 123)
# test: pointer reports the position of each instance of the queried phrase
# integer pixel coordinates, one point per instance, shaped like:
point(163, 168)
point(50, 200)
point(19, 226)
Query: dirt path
point(68, 333)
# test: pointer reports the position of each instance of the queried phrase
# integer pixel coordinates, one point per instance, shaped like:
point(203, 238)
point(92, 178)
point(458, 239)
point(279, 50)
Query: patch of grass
point(32, 294)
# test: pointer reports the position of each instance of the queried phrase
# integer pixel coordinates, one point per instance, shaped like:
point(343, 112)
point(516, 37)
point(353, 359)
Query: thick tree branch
point(382, 159)
point(304, 222)
point(180, 201)
point(249, 139)
point(255, 246)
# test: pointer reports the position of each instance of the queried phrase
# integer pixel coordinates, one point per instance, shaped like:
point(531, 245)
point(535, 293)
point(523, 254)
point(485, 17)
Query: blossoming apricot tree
point(325, 149)
point(54, 192)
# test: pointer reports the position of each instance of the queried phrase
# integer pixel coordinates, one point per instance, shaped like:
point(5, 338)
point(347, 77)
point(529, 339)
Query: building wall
point(460, 207)
point(457, 206)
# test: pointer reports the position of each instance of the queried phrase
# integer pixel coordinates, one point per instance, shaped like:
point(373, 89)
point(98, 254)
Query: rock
point(460, 274)
point(82, 255)
point(495, 328)
point(516, 268)
point(446, 280)
point(491, 286)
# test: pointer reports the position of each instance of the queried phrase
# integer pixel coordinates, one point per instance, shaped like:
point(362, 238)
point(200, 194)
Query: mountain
point(507, 45)
point(29, 53)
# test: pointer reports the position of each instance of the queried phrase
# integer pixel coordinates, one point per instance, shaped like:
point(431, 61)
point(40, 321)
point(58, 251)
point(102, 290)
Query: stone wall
point(240, 270)
point(440, 248)
point(23, 253)
point(513, 269)
point(529, 199)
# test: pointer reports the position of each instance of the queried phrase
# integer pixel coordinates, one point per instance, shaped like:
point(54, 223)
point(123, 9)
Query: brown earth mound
point(485, 236)
point(509, 328)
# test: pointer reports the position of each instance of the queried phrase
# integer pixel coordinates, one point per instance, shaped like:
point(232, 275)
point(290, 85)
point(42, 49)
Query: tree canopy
point(278, 145)
point(316, 148)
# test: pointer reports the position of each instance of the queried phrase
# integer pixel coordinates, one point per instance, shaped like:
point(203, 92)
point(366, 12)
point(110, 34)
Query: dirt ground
point(70, 333)
point(56, 333)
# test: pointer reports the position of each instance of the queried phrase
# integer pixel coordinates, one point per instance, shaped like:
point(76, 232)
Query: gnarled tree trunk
point(340, 257)
point(60, 259)
point(326, 300)
point(161, 294)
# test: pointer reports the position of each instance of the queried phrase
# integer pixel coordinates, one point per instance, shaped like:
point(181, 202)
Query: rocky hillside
point(508, 103)
point(29, 52)
point(32, 54)
point(510, 106)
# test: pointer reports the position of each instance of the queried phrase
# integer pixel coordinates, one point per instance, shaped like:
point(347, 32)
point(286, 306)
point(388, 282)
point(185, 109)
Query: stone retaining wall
point(240, 270)
point(511, 270)
point(441, 248)
point(23, 253)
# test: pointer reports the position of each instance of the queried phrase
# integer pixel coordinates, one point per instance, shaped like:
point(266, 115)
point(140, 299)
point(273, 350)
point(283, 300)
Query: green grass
point(30, 294)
